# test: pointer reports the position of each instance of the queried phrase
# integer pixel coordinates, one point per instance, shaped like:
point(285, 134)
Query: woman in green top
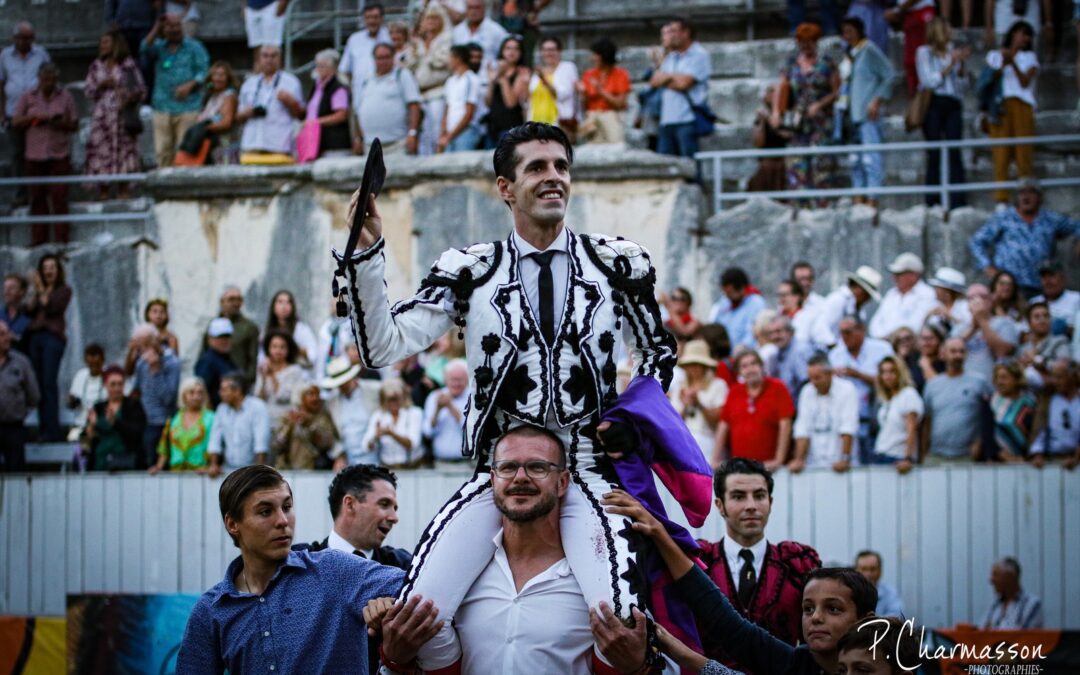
point(114, 427)
point(185, 438)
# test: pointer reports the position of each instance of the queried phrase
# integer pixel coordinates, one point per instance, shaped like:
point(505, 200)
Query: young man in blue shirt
point(280, 610)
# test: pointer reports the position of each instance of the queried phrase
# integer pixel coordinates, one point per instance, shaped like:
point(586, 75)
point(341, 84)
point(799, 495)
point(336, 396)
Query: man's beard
point(537, 511)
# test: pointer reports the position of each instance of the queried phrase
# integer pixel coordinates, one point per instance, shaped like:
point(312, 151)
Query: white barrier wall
point(938, 531)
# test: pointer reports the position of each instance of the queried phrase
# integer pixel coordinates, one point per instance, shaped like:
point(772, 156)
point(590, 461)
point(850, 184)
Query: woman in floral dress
point(809, 85)
point(113, 83)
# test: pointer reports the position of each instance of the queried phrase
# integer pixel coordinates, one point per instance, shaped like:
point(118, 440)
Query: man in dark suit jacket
point(764, 581)
point(363, 504)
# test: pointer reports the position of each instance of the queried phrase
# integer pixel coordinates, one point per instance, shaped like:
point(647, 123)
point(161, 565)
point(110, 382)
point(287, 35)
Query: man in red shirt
point(756, 420)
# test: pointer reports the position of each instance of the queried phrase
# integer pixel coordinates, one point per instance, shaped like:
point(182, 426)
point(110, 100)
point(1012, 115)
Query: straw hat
point(338, 372)
point(696, 352)
point(950, 280)
point(870, 280)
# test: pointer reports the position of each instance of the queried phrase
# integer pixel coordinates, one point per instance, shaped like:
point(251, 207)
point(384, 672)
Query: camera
point(258, 111)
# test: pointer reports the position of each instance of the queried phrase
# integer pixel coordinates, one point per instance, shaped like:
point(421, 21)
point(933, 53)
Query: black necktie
point(547, 296)
point(747, 577)
point(359, 553)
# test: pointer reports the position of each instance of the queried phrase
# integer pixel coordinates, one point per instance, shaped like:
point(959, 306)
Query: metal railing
point(75, 218)
point(717, 157)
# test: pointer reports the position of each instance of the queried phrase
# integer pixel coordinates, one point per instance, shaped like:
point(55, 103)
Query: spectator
point(264, 23)
point(681, 322)
point(114, 427)
point(739, 307)
point(48, 338)
point(15, 316)
point(989, 338)
point(941, 68)
point(134, 19)
point(240, 435)
point(1002, 16)
point(1014, 412)
point(157, 379)
point(1021, 238)
point(762, 580)
point(720, 349)
point(809, 85)
point(351, 410)
point(269, 107)
point(478, 28)
point(1063, 303)
point(909, 301)
point(219, 114)
point(389, 107)
point(404, 54)
point(828, 420)
point(915, 15)
point(604, 88)
point(926, 363)
point(771, 174)
point(789, 297)
point(552, 88)
point(87, 387)
point(872, 15)
point(142, 336)
point(48, 117)
point(756, 417)
point(898, 413)
point(683, 81)
point(522, 17)
point(358, 56)
point(829, 14)
point(1013, 609)
point(903, 342)
point(648, 117)
point(868, 564)
point(328, 109)
point(851, 299)
point(1040, 348)
point(18, 395)
point(279, 376)
point(394, 431)
point(802, 272)
point(507, 90)
point(697, 394)
point(869, 85)
point(1006, 297)
point(116, 86)
point(180, 67)
point(283, 316)
point(307, 434)
point(432, 70)
point(215, 362)
point(156, 314)
point(1057, 427)
point(245, 337)
point(953, 408)
point(334, 335)
point(444, 417)
point(184, 441)
point(1019, 68)
point(792, 354)
point(950, 287)
point(459, 132)
point(856, 359)
point(19, 64)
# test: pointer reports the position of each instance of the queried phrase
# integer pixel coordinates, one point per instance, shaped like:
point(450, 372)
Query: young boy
point(834, 599)
point(463, 95)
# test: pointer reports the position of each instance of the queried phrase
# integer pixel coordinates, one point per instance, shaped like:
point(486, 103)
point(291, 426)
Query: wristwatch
point(413, 132)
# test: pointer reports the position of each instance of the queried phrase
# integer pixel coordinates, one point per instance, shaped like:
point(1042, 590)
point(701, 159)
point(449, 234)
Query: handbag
point(307, 142)
point(129, 116)
point(195, 145)
point(916, 109)
point(704, 117)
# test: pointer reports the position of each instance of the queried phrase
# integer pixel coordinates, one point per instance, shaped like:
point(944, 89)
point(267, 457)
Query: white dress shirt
point(351, 415)
point(544, 628)
point(277, 130)
point(824, 418)
point(870, 355)
point(358, 60)
point(336, 542)
point(529, 271)
point(735, 563)
point(407, 425)
point(836, 306)
point(898, 310)
point(489, 35)
point(239, 435)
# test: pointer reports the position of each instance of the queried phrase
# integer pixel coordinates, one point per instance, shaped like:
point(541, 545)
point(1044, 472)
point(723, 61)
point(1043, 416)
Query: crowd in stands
point(932, 371)
point(464, 74)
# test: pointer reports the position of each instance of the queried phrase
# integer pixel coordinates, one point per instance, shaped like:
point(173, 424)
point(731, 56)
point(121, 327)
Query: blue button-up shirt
point(1019, 247)
point(158, 391)
point(739, 321)
point(308, 620)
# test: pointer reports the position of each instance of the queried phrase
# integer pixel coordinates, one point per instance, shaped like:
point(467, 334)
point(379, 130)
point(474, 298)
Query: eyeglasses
point(536, 469)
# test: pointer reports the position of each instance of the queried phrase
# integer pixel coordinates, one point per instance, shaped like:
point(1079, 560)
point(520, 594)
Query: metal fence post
point(718, 181)
point(943, 161)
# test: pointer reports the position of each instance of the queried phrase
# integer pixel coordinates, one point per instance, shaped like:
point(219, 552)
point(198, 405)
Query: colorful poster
point(117, 634)
point(32, 645)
